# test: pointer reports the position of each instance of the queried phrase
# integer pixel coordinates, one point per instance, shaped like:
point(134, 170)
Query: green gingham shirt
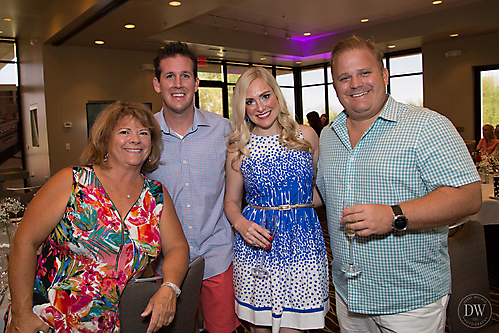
point(406, 153)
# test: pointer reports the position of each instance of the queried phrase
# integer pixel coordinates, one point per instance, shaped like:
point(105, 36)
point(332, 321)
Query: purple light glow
point(296, 58)
point(308, 38)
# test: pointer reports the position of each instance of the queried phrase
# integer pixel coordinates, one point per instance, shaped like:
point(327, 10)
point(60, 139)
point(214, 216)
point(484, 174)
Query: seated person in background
point(325, 120)
point(99, 225)
point(315, 122)
point(489, 142)
point(496, 131)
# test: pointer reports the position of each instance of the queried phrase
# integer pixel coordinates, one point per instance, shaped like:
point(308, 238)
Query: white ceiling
point(404, 23)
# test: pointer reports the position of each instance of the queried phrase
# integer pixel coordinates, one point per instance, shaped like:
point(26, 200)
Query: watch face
point(400, 223)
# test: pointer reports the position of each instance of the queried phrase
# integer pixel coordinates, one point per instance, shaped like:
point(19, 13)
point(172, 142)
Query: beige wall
point(448, 82)
point(76, 75)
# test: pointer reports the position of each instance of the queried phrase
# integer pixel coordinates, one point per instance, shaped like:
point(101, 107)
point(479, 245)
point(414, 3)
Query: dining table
point(489, 212)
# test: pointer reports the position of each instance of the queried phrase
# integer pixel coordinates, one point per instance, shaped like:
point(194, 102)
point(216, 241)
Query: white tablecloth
point(489, 213)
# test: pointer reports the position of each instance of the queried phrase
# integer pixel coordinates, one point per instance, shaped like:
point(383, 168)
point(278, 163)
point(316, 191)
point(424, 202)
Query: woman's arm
point(311, 136)
point(175, 252)
point(41, 217)
point(251, 232)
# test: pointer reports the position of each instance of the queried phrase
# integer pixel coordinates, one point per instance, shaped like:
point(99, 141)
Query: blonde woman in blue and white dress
point(274, 159)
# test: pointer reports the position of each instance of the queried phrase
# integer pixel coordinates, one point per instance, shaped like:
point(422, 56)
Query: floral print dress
point(90, 256)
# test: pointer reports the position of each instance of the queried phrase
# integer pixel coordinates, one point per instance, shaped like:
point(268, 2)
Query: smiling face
point(360, 83)
point(130, 143)
point(177, 85)
point(262, 108)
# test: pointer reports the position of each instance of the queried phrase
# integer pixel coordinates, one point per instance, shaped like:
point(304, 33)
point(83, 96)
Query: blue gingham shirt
point(193, 171)
point(406, 153)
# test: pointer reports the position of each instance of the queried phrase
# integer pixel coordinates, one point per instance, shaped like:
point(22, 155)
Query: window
point(406, 78)
point(487, 97)
point(10, 117)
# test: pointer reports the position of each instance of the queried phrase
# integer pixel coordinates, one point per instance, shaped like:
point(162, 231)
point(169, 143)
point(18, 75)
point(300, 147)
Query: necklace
point(128, 195)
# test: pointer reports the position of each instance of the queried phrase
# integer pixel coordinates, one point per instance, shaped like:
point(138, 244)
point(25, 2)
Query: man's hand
point(371, 219)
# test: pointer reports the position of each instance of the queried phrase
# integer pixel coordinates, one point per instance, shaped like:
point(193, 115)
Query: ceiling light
point(129, 26)
point(220, 54)
point(174, 3)
point(454, 35)
point(1, 32)
point(99, 42)
point(236, 26)
point(265, 31)
point(263, 58)
point(364, 20)
point(391, 46)
point(307, 34)
point(215, 22)
point(7, 19)
point(298, 62)
point(287, 35)
point(437, 2)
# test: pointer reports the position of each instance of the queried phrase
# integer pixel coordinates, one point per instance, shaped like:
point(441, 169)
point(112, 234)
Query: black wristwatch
point(399, 222)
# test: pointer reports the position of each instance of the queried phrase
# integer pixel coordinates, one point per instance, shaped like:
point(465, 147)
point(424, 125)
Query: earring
point(247, 119)
point(105, 158)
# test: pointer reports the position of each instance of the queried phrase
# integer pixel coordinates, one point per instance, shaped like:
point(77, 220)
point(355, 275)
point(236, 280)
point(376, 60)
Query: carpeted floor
point(332, 320)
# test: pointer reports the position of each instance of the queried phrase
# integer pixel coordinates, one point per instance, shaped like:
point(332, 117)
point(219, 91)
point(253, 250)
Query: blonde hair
point(100, 134)
point(240, 138)
point(356, 43)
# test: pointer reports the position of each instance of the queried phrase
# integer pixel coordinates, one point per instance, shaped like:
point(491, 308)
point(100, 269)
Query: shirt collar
point(199, 120)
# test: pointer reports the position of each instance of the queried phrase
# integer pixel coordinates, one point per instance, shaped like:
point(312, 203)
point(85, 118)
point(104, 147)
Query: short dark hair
point(171, 50)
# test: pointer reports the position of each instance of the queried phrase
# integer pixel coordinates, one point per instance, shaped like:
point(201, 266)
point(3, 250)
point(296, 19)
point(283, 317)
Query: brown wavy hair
point(242, 127)
point(96, 150)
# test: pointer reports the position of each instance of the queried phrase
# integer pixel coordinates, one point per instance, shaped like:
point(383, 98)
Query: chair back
point(136, 295)
point(469, 274)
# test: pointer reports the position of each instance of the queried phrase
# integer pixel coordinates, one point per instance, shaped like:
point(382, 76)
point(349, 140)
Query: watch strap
point(397, 210)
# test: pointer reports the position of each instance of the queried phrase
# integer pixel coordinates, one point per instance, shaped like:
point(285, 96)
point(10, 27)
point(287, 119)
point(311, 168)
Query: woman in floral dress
point(99, 226)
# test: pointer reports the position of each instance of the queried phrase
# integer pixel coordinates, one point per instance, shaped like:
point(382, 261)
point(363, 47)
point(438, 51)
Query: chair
point(136, 295)
point(469, 273)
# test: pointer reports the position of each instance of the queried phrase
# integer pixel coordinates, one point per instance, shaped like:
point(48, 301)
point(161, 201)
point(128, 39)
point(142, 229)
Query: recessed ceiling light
point(454, 35)
point(220, 54)
point(437, 2)
point(7, 19)
point(391, 46)
point(174, 3)
point(364, 20)
point(307, 34)
point(129, 26)
point(1, 32)
point(99, 42)
point(298, 62)
point(263, 58)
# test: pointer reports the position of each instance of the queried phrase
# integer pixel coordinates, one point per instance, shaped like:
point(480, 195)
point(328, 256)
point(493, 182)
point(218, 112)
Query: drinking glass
point(269, 222)
point(351, 270)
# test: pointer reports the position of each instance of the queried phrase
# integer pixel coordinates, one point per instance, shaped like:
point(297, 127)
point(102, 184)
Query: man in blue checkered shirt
point(192, 169)
point(409, 175)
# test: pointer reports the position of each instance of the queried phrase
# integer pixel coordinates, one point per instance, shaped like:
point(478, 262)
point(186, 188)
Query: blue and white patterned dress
point(296, 294)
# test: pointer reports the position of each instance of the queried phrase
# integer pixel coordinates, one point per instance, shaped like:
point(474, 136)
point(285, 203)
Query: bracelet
point(173, 286)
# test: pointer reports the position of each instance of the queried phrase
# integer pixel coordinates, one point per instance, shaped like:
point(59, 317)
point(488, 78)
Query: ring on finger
point(254, 242)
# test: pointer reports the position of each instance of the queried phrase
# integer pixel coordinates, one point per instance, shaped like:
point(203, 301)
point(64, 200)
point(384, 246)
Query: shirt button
point(188, 205)
point(184, 161)
point(191, 247)
point(190, 227)
point(186, 184)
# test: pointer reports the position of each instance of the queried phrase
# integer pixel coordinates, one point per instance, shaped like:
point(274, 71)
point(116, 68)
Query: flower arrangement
point(9, 206)
point(489, 162)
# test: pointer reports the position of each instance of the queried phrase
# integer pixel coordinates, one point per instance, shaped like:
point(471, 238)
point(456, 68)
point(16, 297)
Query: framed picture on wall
point(96, 107)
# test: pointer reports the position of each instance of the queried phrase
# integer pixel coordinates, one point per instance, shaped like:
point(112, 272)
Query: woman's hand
point(162, 305)
point(27, 323)
point(253, 234)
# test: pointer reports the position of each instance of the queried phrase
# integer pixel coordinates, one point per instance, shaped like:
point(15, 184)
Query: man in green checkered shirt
point(410, 175)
